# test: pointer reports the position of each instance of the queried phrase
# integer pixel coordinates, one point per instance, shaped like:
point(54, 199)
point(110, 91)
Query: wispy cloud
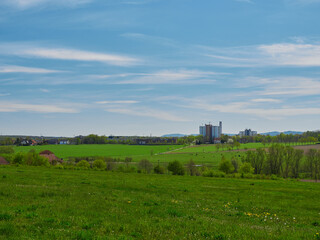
point(266, 100)
point(145, 112)
point(20, 69)
point(251, 108)
point(22, 107)
point(29, 50)
point(118, 102)
point(280, 54)
point(171, 77)
point(4, 94)
point(25, 4)
point(244, 1)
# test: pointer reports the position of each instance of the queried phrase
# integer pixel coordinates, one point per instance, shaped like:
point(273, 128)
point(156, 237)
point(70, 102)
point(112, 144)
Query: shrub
point(212, 173)
point(246, 168)
point(99, 164)
point(192, 169)
point(145, 166)
point(226, 166)
point(6, 150)
point(83, 164)
point(176, 168)
point(158, 169)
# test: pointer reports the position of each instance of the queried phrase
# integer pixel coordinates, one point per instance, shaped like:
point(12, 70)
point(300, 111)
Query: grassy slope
point(42, 203)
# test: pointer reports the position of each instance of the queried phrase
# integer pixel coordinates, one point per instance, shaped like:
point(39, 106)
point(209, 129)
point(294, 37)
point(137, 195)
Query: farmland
point(47, 203)
point(108, 150)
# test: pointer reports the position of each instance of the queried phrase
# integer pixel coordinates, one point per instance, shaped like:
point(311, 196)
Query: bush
point(6, 150)
point(226, 166)
point(99, 164)
point(145, 166)
point(159, 170)
point(31, 158)
point(246, 168)
point(83, 164)
point(176, 168)
point(192, 169)
point(211, 173)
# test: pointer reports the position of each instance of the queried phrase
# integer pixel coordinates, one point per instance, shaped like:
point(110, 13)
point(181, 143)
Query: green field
point(48, 203)
point(107, 150)
point(136, 152)
point(212, 148)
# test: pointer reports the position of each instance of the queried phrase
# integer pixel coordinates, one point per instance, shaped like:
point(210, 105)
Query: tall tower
point(220, 129)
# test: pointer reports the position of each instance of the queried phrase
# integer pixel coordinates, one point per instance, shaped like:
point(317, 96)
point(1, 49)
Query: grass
point(108, 150)
point(47, 203)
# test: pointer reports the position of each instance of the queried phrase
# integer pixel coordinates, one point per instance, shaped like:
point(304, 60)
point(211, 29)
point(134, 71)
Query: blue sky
point(141, 67)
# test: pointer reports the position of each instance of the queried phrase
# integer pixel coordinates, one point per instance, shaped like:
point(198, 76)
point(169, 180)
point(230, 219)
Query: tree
point(145, 166)
point(128, 160)
point(158, 169)
point(246, 168)
point(83, 164)
point(176, 168)
point(226, 166)
point(298, 156)
point(192, 169)
point(99, 164)
point(275, 159)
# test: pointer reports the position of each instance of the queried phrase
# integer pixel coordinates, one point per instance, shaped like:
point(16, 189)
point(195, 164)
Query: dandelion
point(129, 201)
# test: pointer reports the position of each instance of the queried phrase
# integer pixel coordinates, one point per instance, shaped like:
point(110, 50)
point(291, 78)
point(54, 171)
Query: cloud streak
point(151, 113)
point(20, 69)
point(276, 55)
point(37, 108)
point(66, 54)
point(25, 4)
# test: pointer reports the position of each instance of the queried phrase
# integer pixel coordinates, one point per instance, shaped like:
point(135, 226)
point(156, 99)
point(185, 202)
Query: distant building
point(53, 159)
point(248, 133)
point(211, 134)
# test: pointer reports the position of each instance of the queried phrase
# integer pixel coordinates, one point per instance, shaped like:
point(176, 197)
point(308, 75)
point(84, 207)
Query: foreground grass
point(44, 203)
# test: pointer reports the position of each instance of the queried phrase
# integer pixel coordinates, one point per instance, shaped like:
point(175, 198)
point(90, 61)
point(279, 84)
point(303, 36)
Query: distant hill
point(178, 135)
point(174, 135)
point(278, 133)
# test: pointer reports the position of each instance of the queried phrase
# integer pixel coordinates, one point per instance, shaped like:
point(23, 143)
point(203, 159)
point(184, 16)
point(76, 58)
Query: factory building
point(211, 134)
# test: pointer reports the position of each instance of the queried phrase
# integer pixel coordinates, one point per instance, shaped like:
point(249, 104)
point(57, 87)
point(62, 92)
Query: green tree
point(99, 164)
point(226, 166)
point(145, 166)
point(176, 168)
point(246, 168)
point(83, 164)
point(192, 169)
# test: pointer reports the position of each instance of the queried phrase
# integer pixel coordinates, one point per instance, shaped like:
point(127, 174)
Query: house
point(53, 159)
point(3, 161)
point(64, 142)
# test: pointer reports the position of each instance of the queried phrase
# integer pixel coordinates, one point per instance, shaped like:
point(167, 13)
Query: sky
point(154, 67)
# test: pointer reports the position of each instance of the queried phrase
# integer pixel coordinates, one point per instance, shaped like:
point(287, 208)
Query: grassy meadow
point(155, 154)
point(49, 203)
point(107, 150)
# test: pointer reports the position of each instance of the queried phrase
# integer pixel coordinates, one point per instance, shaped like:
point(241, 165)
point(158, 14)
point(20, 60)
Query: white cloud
point(266, 100)
point(152, 113)
point(44, 90)
point(19, 69)
point(172, 77)
point(30, 50)
point(22, 107)
point(24, 4)
point(245, 1)
point(280, 54)
point(78, 55)
point(118, 102)
point(4, 94)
